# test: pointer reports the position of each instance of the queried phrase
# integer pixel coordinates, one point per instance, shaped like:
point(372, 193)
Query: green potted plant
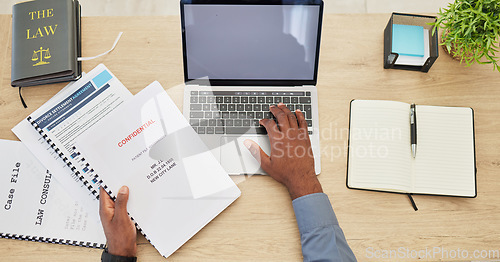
point(471, 30)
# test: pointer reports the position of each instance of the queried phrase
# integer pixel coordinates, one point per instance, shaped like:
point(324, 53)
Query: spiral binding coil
point(52, 240)
point(72, 167)
point(110, 193)
point(86, 183)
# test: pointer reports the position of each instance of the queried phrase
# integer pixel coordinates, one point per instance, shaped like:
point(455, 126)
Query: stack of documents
point(94, 133)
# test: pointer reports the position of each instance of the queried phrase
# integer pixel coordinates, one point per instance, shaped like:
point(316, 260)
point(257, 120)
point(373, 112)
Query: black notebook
point(380, 154)
point(45, 42)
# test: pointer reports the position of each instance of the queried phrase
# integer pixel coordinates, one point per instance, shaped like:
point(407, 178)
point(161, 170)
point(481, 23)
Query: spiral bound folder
point(176, 185)
point(67, 161)
point(62, 111)
point(37, 207)
point(81, 105)
point(53, 240)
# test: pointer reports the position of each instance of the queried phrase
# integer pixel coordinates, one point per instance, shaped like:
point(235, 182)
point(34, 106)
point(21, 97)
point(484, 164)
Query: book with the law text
point(45, 42)
point(381, 157)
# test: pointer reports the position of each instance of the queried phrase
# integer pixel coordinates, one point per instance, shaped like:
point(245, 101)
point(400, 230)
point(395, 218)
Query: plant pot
point(453, 49)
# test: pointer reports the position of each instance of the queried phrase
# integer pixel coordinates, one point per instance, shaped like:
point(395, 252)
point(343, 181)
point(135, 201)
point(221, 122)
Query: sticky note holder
point(391, 57)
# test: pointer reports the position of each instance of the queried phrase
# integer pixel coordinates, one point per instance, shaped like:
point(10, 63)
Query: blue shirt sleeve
point(320, 234)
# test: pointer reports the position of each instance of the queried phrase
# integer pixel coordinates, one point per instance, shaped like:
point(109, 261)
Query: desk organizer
point(390, 57)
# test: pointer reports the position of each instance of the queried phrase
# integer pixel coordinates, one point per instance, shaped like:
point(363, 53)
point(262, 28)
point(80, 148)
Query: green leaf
point(472, 28)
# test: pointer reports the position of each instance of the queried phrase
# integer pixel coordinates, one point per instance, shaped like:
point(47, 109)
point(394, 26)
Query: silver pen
point(413, 130)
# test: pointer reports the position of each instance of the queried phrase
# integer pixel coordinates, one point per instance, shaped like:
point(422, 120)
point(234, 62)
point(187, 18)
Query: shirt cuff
point(312, 211)
point(107, 257)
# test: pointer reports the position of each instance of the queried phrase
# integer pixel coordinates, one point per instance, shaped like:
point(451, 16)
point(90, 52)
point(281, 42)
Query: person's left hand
point(118, 227)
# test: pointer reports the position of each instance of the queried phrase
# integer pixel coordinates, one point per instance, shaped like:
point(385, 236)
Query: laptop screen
point(248, 43)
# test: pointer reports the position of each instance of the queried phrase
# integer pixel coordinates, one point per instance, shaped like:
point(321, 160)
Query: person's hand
point(291, 161)
point(118, 227)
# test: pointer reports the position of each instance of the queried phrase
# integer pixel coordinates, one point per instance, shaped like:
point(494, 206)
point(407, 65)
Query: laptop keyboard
point(239, 112)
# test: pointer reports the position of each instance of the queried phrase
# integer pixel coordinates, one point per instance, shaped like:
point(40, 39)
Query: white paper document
point(39, 147)
point(176, 185)
point(36, 207)
point(65, 117)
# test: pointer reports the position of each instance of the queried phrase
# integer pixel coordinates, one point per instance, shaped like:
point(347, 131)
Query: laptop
point(240, 57)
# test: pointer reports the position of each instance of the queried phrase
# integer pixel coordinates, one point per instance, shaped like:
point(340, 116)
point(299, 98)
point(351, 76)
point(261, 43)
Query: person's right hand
point(291, 161)
point(118, 227)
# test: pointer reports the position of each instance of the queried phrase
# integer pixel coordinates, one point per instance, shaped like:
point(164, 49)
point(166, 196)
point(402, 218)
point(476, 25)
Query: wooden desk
point(260, 225)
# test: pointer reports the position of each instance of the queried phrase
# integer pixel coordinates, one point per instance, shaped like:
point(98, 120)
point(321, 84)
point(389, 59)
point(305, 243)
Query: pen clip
point(412, 114)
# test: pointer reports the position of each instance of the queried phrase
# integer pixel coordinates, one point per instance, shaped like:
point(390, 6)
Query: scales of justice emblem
point(40, 55)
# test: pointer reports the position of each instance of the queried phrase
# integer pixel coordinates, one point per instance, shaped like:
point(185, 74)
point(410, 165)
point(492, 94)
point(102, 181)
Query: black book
point(45, 42)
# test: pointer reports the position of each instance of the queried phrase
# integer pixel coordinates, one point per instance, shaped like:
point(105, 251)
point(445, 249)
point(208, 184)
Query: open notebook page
point(444, 163)
point(379, 146)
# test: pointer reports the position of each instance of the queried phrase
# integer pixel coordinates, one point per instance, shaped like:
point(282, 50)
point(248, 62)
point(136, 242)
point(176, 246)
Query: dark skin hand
point(118, 227)
point(291, 162)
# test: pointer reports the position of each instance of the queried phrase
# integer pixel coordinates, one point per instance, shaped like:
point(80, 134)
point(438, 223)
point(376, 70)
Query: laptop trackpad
point(235, 157)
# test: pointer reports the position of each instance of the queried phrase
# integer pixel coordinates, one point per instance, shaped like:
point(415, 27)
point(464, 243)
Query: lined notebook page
point(379, 146)
point(444, 163)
